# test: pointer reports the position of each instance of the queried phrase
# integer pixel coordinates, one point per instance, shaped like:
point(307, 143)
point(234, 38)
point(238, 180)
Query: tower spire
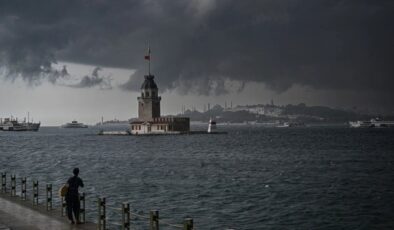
point(147, 57)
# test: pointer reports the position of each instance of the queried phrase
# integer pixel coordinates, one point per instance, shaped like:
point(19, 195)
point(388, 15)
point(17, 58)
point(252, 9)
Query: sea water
point(252, 178)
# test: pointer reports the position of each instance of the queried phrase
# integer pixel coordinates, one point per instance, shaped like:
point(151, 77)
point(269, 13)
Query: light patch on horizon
point(56, 104)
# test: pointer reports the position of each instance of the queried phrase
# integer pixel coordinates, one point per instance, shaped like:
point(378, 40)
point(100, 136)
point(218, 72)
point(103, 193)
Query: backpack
point(63, 190)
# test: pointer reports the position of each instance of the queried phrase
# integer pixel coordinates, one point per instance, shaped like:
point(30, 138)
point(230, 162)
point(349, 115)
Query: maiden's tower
point(149, 119)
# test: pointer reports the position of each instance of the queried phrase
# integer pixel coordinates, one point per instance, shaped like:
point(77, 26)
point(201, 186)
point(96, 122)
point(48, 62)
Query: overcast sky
point(83, 59)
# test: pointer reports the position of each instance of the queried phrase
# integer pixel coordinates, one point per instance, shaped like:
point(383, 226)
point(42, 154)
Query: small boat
point(74, 124)
point(211, 126)
point(360, 124)
point(290, 124)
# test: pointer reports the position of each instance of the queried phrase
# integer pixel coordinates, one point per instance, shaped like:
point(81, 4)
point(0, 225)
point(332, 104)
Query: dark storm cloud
point(198, 44)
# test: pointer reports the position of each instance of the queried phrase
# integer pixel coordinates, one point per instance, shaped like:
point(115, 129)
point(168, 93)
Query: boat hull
point(371, 124)
point(21, 127)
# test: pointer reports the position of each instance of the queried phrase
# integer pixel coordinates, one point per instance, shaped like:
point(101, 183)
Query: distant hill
point(273, 113)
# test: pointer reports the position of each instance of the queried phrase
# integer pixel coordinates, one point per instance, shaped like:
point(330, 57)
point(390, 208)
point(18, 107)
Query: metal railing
point(153, 218)
point(13, 185)
point(35, 192)
point(23, 188)
point(3, 182)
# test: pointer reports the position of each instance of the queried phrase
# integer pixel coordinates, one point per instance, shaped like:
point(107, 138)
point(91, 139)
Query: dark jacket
point(73, 184)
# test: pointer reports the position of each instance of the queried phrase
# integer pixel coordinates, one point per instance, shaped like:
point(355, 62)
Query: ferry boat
point(74, 124)
point(9, 124)
point(373, 123)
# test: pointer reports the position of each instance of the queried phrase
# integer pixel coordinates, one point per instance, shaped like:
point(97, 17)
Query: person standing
point(72, 197)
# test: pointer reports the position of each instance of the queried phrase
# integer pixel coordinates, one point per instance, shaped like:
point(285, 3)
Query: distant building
point(149, 119)
point(267, 110)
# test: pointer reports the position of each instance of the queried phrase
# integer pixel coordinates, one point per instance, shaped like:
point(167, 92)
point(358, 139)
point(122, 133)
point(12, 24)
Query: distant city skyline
point(62, 60)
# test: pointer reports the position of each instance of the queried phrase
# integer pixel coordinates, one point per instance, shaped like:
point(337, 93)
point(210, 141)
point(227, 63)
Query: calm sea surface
point(251, 178)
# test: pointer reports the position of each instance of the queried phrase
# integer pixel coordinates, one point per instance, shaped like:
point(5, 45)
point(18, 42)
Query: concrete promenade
point(17, 214)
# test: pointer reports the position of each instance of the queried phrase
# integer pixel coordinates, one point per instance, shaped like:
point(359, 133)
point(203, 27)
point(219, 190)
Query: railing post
point(23, 188)
point(188, 224)
point(13, 185)
point(101, 223)
point(49, 197)
point(82, 209)
point(3, 182)
point(35, 192)
point(154, 220)
point(99, 213)
point(64, 206)
point(125, 216)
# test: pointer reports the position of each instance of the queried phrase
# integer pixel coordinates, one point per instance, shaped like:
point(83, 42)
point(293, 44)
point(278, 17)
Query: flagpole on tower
point(147, 57)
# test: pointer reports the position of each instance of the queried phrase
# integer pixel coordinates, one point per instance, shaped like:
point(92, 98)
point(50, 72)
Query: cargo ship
point(9, 124)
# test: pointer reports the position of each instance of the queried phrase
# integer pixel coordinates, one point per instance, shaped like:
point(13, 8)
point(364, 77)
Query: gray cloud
point(198, 44)
point(55, 74)
point(94, 80)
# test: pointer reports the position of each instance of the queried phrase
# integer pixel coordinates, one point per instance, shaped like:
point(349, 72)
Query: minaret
point(149, 102)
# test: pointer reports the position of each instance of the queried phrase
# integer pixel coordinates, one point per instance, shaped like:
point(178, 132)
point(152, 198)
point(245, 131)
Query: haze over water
point(251, 178)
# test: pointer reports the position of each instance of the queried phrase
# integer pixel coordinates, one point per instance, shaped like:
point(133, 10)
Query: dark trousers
point(73, 206)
